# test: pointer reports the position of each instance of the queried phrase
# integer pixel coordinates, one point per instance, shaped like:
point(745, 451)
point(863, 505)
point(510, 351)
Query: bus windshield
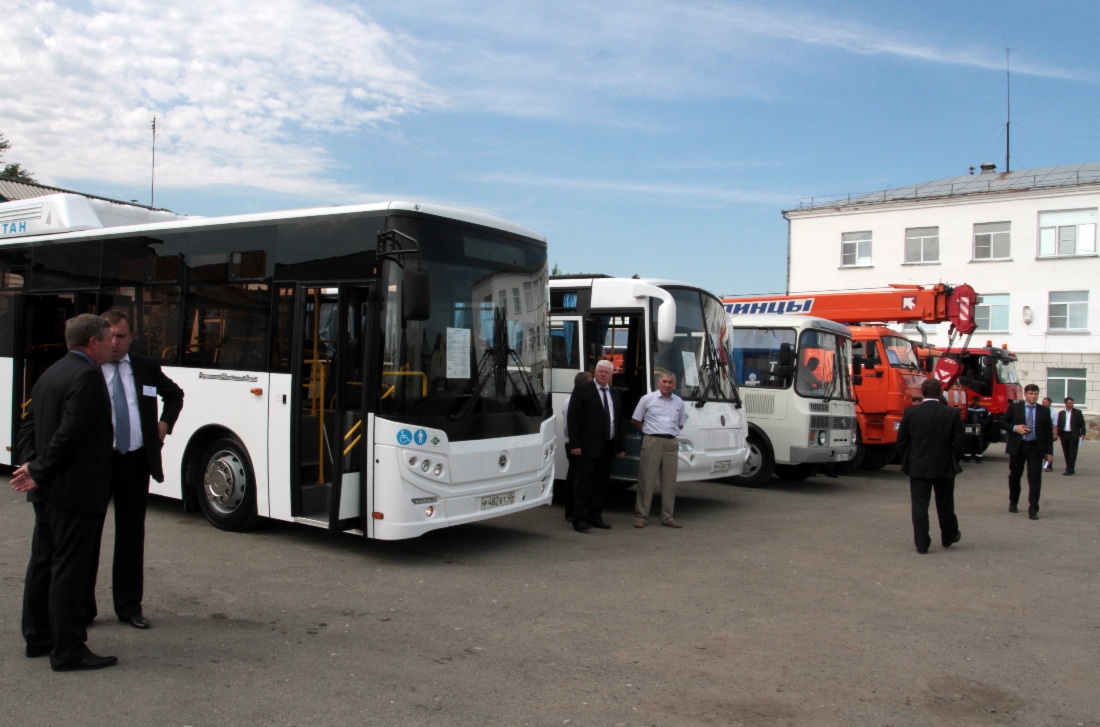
point(700, 353)
point(900, 353)
point(823, 366)
point(756, 356)
point(482, 351)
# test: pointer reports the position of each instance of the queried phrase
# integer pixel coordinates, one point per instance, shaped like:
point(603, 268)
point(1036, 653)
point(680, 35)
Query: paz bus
point(646, 327)
point(378, 369)
point(795, 375)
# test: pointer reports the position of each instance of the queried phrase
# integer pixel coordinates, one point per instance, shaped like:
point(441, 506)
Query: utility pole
point(153, 173)
point(1008, 116)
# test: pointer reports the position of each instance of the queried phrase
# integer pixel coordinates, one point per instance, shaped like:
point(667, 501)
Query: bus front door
point(332, 441)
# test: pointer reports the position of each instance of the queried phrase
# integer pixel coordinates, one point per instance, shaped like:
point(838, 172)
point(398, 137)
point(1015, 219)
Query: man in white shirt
point(659, 416)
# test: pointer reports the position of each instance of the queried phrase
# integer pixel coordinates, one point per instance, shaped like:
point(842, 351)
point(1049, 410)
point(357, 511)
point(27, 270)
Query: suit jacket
point(1076, 423)
point(1044, 429)
point(67, 436)
point(586, 419)
point(931, 438)
point(147, 373)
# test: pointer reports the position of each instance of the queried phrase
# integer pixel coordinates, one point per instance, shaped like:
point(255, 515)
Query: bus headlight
point(425, 465)
point(822, 437)
point(686, 446)
point(438, 471)
point(413, 461)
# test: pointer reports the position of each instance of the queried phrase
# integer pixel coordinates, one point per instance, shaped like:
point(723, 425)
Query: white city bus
point(646, 327)
point(379, 369)
point(797, 387)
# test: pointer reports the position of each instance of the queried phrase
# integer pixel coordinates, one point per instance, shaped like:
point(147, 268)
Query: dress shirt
point(126, 371)
point(610, 405)
point(565, 418)
point(1069, 420)
point(1030, 412)
point(659, 415)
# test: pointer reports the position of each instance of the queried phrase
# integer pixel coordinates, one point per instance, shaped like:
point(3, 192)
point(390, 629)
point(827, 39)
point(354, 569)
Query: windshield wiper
point(493, 362)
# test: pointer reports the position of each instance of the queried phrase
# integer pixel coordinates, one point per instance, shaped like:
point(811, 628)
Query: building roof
point(12, 191)
point(987, 182)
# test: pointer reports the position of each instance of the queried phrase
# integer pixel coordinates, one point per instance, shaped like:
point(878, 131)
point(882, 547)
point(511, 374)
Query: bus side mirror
point(987, 361)
point(786, 355)
point(666, 321)
point(416, 299)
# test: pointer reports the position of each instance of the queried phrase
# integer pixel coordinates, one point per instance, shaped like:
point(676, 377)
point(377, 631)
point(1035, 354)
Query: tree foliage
point(14, 172)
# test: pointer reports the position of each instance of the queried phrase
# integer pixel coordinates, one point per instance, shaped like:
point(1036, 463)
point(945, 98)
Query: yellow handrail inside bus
point(352, 445)
point(24, 406)
point(353, 430)
point(423, 381)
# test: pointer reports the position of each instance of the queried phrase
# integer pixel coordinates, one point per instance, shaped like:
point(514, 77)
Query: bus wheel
point(760, 465)
point(228, 495)
point(876, 457)
point(795, 472)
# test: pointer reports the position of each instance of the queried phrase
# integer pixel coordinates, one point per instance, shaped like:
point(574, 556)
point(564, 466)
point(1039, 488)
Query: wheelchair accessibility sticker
point(404, 437)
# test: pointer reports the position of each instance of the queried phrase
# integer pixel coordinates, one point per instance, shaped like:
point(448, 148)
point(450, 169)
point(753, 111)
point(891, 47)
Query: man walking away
point(1071, 432)
point(1047, 402)
point(134, 383)
point(931, 439)
point(65, 444)
point(659, 416)
point(1030, 442)
point(976, 417)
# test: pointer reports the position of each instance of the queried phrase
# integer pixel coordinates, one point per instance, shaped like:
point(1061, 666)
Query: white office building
point(1025, 240)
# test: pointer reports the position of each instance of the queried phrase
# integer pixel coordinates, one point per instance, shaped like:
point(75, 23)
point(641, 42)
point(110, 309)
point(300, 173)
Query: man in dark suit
point(596, 437)
point(582, 377)
point(1030, 442)
point(65, 444)
point(1071, 430)
point(931, 439)
point(134, 383)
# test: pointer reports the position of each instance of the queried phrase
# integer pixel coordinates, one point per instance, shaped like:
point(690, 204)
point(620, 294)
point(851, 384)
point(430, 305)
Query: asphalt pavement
point(791, 604)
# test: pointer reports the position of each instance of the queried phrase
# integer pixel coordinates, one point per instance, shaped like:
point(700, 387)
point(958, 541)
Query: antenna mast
point(1008, 117)
point(153, 173)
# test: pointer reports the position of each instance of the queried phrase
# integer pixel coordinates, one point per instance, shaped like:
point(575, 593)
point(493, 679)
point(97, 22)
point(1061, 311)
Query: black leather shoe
point(1066, 474)
point(922, 551)
point(582, 527)
point(599, 523)
point(138, 621)
point(1033, 515)
point(85, 663)
point(1013, 508)
point(34, 651)
point(958, 537)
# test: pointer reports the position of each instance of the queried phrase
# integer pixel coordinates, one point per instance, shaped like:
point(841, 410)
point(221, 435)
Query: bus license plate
point(723, 465)
point(842, 458)
point(490, 501)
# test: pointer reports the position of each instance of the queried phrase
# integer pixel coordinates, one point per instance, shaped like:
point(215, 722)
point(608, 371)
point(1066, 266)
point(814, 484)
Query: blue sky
point(650, 137)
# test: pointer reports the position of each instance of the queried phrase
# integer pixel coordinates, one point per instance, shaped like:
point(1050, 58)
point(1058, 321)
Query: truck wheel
point(760, 465)
point(876, 457)
point(228, 492)
point(795, 472)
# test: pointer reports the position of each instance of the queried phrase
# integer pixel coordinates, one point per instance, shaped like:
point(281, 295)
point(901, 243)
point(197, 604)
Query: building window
point(922, 245)
point(991, 313)
point(529, 296)
point(1069, 311)
point(502, 296)
point(915, 329)
point(1062, 383)
point(1072, 232)
point(855, 249)
point(515, 299)
point(991, 240)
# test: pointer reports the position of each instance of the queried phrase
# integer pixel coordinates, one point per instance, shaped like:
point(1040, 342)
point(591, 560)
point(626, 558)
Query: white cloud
point(244, 92)
point(709, 194)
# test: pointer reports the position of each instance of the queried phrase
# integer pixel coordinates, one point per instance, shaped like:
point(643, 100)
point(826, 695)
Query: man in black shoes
point(596, 438)
point(1030, 443)
point(931, 440)
point(65, 444)
point(1071, 432)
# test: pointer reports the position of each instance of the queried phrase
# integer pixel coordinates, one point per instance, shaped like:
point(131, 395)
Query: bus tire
point(795, 472)
point(760, 465)
point(876, 457)
point(227, 492)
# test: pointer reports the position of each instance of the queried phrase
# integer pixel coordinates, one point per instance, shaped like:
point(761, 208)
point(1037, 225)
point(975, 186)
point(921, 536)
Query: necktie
point(607, 411)
point(122, 412)
point(1031, 418)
